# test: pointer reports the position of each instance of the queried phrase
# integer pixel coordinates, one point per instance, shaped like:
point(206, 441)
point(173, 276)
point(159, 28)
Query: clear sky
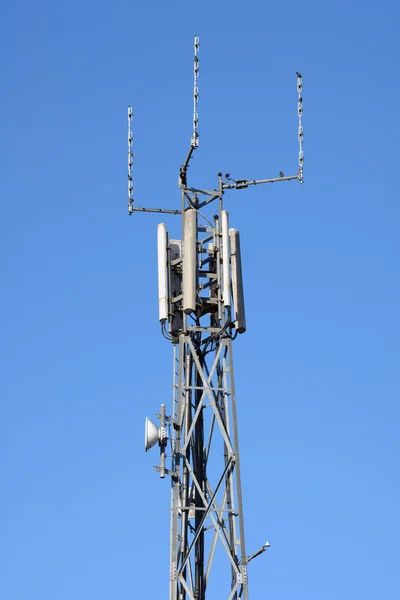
point(83, 514)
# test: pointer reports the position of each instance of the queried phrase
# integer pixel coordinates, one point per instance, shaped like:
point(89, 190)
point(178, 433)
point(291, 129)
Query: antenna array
point(130, 162)
point(300, 130)
point(201, 311)
point(195, 136)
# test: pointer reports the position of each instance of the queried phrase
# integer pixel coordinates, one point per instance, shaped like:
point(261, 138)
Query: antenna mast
point(201, 311)
point(130, 162)
point(195, 136)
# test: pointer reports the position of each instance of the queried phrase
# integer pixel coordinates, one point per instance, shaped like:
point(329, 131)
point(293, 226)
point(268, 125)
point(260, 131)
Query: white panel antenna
point(190, 261)
point(226, 259)
point(162, 272)
point(237, 282)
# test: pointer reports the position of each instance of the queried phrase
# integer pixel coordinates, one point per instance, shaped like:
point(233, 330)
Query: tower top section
point(226, 182)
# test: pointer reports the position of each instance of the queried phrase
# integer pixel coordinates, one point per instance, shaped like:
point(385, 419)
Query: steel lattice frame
point(206, 499)
point(205, 511)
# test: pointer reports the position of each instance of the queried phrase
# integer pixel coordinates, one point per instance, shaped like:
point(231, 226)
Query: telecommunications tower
point(201, 311)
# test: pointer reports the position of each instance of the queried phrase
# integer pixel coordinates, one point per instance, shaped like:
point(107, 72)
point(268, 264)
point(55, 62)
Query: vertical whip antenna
point(194, 142)
point(195, 137)
point(300, 130)
point(130, 162)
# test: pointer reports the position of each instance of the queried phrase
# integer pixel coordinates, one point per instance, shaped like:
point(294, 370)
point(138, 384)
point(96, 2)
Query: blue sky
point(83, 513)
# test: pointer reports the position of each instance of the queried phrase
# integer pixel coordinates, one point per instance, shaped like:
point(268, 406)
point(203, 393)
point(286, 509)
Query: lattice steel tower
point(201, 311)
